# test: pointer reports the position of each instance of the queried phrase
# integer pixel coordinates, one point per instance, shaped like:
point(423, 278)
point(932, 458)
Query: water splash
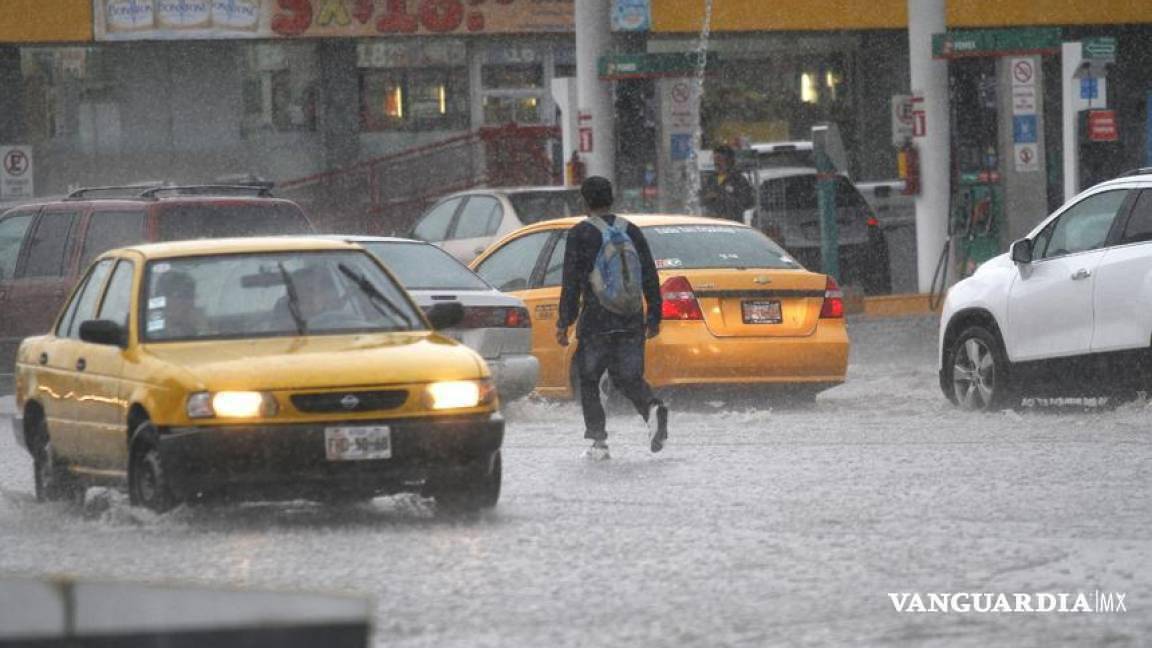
point(692, 204)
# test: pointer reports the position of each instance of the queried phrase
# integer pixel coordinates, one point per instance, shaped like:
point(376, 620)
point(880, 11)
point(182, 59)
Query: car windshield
point(420, 266)
point(714, 246)
point(268, 295)
point(536, 206)
point(228, 219)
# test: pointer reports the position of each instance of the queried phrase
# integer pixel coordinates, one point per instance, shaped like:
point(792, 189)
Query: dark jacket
point(728, 199)
point(583, 245)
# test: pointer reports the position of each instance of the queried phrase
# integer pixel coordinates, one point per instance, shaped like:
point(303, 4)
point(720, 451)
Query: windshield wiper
point(375, 297)
point(293, 300)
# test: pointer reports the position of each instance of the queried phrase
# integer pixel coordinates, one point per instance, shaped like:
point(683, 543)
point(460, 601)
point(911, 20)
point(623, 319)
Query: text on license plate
point(357, 443)
point(761, 312)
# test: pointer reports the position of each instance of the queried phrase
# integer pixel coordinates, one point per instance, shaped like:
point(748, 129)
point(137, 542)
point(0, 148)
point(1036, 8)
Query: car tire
point(53, 481)
point(147, 485)
point(473, 494)
point(985, 381)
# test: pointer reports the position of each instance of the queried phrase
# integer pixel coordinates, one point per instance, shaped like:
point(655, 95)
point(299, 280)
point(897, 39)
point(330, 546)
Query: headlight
point(458, 394)
point(230, 404)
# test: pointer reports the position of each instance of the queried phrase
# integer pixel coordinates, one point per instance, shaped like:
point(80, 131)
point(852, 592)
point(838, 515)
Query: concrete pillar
point(593, 38)
point(930, 81)
point(1071, 58)
point(1023, 164)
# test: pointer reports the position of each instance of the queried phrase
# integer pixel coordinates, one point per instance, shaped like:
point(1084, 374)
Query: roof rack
point(1139, 171)
point(263, 191)
point(117, 191)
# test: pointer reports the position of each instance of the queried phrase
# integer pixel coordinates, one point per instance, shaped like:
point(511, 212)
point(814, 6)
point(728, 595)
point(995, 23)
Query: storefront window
point(501, 110)
point(280, 87)
point(504, 77)
point(414, 99)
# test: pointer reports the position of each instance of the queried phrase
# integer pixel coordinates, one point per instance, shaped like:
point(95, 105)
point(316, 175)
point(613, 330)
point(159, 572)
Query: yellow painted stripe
point(990, 13)
point(45, 21)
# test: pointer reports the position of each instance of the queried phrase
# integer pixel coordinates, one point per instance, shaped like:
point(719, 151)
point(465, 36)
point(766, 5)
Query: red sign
point(585, 140)
point(1102, 126)
point(919, 117)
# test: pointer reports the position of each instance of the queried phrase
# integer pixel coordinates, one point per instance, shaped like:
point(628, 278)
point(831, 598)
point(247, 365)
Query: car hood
point(321, 361)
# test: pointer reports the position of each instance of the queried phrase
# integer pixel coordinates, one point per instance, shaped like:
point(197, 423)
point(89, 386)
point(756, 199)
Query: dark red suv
point(44, 246)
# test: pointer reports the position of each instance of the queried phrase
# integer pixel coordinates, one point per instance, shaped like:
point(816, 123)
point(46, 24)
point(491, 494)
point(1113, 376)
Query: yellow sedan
point(255, 367)
point(737, 309)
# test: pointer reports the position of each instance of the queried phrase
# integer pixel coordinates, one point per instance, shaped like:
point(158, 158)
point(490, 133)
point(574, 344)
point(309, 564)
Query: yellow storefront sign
point(45, 21)
point(679, 16)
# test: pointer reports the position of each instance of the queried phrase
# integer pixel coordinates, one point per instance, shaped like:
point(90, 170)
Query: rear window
point(714, 246)
point(419, 266)
point(224, 220)
point(536, 206)
point(799, 192)
point(786, 158)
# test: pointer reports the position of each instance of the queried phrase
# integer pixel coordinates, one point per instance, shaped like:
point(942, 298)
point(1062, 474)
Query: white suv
point(1068, 312)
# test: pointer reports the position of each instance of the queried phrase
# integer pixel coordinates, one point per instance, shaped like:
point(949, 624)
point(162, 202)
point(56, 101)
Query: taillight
point(679, 300)
point(495, 317)
point(872, 221)
point(833, 301)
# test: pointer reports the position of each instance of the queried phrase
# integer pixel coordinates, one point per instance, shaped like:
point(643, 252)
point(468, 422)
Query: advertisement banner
point(631, 15)
point(115, 20)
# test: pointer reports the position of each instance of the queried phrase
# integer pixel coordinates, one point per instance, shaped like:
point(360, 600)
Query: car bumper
point(687, 354)
point(515, 375)
point(289, 460)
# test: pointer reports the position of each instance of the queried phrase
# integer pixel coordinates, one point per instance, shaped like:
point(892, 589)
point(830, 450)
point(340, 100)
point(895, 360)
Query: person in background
point(611, 336)
point(727, 195)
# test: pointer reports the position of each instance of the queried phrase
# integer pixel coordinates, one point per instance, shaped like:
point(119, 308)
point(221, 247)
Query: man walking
point(609, 276)
point(729, 194)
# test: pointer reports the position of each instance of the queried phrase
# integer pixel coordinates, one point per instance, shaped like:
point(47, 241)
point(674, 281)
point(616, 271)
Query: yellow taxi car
point(263, 367)
point(737, 309)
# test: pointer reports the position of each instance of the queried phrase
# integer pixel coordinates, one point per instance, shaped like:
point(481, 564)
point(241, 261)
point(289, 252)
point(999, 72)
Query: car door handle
point(81, 365)
point(44, 358)
point(1082, 273)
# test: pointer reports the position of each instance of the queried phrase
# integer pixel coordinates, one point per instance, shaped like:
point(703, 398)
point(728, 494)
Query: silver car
point(495, 325)
point(467, 222)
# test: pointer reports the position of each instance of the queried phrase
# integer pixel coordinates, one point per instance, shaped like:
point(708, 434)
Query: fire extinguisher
point(908, 165)
point(576, 170)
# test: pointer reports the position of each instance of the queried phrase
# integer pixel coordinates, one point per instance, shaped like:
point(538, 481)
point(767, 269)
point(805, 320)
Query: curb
point(888, 306)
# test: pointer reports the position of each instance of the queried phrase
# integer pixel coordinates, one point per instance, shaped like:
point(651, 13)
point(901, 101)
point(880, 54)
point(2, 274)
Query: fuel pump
point(977, 187)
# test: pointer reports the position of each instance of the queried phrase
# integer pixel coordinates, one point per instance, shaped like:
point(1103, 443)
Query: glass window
point(1139, 227)
point(83, 305)
point(12, 230)
point(434, 225)
point(118, 298)
point(713, 246)
point(504, 109)
point(267, 295)
point(208, 220)
point(279, 91)
point(535, 206)
point(414, 99)
point(420, 266)
point(109, 230)
point(554, 271)
point(49, 244)
point(1085, 225)
point(512, 76)
point(510, 268)
point(480, 217)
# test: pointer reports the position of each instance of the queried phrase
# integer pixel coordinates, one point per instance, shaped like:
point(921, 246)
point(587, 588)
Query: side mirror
point(104, 332)
point(1022, 251)
point(446, 315)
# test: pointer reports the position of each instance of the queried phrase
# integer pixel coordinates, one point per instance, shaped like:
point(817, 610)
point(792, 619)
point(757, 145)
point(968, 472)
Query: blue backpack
point(616, 278)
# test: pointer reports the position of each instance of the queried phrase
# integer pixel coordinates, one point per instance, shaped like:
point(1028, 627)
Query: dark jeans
point(622, 356)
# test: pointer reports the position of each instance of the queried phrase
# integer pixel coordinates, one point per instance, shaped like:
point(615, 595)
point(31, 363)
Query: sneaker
point(598, 451)
point(657, 425)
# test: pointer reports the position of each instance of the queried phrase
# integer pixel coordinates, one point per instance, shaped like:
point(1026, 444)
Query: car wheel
point(979, 372)
point(147, 484)
point(472, 495)
point(53, 481)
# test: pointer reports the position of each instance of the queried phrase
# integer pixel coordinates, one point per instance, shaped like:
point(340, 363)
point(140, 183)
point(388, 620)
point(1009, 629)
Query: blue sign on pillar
point(681, 146)
point(1089, 88)
point(1024, 129)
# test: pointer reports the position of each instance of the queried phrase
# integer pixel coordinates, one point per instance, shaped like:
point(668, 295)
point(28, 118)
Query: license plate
point(761, 312)
point(357, 443)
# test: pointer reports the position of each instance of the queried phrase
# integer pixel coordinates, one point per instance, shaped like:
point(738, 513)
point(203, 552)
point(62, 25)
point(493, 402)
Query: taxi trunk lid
point(750, 303)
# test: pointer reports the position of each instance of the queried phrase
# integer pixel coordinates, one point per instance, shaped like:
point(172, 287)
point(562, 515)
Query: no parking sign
point(16, 172)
